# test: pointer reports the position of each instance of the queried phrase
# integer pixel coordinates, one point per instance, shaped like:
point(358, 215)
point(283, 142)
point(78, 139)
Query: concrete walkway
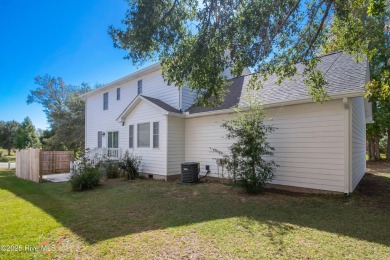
point(4, 165)
point(59, 177)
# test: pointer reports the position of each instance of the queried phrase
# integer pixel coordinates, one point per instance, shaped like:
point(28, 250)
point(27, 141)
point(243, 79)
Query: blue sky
point(66, 39)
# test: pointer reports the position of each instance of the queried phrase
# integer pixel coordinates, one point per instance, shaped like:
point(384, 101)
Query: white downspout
point(347, 145)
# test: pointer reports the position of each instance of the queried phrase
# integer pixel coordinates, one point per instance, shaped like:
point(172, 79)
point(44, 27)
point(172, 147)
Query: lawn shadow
point(120, 208)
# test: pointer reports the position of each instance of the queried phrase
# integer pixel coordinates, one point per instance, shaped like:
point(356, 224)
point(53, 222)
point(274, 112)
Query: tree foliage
point(26, 136)
point(247, 158)
point(64, 109)
point(363, 30)
point(7, 134)
point(197, 41)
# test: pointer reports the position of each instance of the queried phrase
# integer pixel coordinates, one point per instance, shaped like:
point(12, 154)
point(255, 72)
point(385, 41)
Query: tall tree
point(378, 91)
point(246, 160)
point(26, 136)
point(197, 41)
point(364, 31)
point(64, 110)
point(7, 135)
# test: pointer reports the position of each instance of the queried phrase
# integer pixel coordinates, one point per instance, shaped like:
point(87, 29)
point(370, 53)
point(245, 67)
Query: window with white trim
point(100, 137)
point(155, 134)
point(131, 136)
point(139, 87)
point(105, 101)
point(113, 140)
point(143, 135)
point(118, 93)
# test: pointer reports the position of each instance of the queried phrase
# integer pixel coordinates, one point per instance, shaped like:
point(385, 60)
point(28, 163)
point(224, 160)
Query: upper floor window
point(118, 93)
point(139, 87)
point(105, 101)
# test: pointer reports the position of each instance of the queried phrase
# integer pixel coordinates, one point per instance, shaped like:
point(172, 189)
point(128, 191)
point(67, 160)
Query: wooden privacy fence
point(56, 161)
point(27, 164)
point(31, 164)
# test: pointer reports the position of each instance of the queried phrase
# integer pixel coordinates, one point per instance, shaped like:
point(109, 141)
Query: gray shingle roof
point(162, 104)
point(232, 97)
point(343, 74)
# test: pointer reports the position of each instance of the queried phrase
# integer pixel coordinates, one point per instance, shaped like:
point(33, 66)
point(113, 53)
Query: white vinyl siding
point(309, 141)
point(176, 142)
point(153, 86)
point(154, 161)
point(358, 141)
point(188, 98)
point(309, 144)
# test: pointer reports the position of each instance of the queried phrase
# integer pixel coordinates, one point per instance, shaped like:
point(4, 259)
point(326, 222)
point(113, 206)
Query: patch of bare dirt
point(374, 188)
point(378, 167)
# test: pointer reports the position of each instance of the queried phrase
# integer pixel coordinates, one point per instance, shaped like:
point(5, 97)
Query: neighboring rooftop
point(343, 74)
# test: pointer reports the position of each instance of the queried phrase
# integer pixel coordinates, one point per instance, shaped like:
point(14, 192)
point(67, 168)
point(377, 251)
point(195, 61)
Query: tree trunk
point(377, 151)
point(372, 151)
point(368, 148)
point(9, 151)
point(388, 145)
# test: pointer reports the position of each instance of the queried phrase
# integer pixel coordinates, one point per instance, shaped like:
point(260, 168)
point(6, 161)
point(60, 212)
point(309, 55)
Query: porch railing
point(96, 155)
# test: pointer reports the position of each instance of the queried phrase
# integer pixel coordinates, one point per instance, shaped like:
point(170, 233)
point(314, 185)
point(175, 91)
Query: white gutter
point(210, 113)
point(231, 110)
point(176, 114)
point(276, 104)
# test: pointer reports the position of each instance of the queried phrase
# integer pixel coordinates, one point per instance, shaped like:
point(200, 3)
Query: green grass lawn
point(383, 156)
point(11, 158)
point(154, 219)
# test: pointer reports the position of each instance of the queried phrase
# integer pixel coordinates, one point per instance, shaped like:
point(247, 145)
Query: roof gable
point(158, 104)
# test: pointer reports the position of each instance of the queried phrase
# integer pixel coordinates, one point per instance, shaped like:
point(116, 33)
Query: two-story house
point(317, 146)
